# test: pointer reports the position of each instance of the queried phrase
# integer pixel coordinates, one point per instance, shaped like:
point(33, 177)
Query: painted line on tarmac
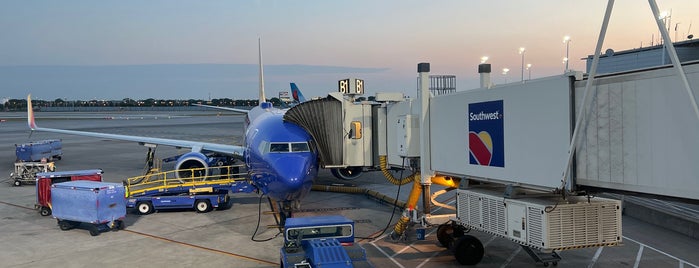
point(596, 257)
point(681, 261)
point(10, 204)
point(392, 257)
point(204, 248)
point(638, 256)
point(511, 257)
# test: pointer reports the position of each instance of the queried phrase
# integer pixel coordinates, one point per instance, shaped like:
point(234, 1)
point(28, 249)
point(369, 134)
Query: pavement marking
point(682, 262)
point(386, 254)
point(511, 257)
point(10, 204)
point(392, 257)
point(492, 238)
point(204, 248)
point(594, 258)
point(638, 256)
point(428, 259)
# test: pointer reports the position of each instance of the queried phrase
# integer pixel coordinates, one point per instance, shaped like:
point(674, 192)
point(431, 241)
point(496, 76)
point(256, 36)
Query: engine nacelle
point(192, 164)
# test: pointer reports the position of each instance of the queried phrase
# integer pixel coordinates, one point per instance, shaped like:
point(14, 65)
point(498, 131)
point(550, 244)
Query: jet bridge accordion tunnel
point(341, 130)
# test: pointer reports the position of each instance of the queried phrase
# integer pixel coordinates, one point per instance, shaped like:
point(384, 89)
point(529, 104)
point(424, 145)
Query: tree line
point(21, 104)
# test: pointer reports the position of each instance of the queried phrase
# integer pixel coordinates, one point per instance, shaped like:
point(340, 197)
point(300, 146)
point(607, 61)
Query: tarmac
point(226, 238)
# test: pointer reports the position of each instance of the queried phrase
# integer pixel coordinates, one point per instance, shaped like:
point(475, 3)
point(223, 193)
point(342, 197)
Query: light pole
point(504, 73)
point(566, 40)
point(529, 69)
point(484, 59)
point(521, 51)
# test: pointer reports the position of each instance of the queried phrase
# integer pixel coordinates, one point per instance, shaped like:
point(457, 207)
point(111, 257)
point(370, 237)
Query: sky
point(312, 43)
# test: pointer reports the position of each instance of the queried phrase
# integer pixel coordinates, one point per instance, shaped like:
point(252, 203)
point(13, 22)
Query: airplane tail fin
point(262, 77)
point(296, 94)
point(30, 113)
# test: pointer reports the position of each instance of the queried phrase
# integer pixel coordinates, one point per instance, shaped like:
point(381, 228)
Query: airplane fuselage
point(279, 155)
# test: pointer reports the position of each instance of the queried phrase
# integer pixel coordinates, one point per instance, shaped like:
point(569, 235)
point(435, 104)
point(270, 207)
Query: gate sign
point(351, 86)
point(486, 139)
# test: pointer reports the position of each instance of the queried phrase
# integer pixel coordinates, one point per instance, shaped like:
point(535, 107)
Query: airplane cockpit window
point(283, 147)
point(300, 147)
point(278, 147)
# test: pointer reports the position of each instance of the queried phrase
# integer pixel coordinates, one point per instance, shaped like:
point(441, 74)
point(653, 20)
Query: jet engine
point(192, 164)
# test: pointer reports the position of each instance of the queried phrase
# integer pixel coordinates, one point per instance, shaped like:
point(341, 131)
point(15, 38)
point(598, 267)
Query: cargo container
point(36, 150)
point(44, 181)
point(95, 206)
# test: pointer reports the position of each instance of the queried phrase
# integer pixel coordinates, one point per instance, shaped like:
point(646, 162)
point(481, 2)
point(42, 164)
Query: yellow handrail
point(184, 177)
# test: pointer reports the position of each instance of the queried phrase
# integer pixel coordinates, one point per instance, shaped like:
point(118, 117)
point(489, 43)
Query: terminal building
point(639, 58)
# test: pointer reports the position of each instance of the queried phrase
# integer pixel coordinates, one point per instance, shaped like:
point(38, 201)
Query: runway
point(225, 238)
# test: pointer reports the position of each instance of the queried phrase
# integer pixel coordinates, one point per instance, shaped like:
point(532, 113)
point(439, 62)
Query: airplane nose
point(294, 171)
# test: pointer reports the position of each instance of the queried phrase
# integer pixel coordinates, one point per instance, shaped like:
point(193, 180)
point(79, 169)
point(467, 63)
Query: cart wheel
point(227, 203)
point(119, 225)
point(202, 206)
point(468, 250)
point(94, 230)
point(144, 207)
point(44, 211)
point(17, 183)
point(65, 225)
point(444, 234)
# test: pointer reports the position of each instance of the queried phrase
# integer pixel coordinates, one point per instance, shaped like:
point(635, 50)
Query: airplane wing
point(196, 146)
point(223, 108)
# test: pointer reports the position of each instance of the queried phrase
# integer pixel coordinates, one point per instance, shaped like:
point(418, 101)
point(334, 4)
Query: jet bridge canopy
point(322, 119)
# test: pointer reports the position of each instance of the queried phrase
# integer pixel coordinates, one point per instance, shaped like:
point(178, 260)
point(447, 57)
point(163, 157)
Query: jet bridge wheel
point(202, 206)
point(348, 173)
point(445, 234)
point(468, 250)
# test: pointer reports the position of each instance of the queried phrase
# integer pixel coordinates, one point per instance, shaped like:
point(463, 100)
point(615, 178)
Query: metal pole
point(567, 49)
point(522, 66)
point(426, 172)
point(673, 56)
point(590, 79)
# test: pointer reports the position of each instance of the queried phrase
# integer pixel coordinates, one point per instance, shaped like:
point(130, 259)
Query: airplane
point(280, 158)
point(296, 93)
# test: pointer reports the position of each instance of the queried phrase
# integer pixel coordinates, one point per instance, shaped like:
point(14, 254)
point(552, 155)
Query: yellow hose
point(383, 162)
point(414, 196)
point(356, 190)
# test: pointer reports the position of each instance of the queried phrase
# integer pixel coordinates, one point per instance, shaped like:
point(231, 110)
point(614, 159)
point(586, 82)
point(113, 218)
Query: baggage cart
point(25, 172)
point(44, 181)
point(37, 150)
point(95, 206)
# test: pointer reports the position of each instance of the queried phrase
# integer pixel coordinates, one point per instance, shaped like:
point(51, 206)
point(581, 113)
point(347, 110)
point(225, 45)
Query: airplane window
point(279, 147)
point(300, 147)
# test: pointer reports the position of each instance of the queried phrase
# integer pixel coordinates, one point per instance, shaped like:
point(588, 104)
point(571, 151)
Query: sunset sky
point(390, 36)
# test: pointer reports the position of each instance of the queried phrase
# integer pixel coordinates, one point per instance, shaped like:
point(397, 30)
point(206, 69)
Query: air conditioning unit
point(544, 223)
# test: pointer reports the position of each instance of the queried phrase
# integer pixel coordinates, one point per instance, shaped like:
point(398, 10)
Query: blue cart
point(97, 206)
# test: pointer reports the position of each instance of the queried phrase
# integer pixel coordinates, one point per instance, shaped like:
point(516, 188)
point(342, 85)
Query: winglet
point(30, 113)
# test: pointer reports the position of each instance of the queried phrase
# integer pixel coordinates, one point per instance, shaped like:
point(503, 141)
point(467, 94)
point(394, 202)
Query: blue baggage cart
point(37, 150)
point(97, 206)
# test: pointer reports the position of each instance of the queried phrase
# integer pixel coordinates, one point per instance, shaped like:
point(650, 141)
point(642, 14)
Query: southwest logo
point(485, 136)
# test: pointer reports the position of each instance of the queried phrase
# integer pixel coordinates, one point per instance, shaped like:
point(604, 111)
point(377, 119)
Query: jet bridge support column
point(426, 172)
